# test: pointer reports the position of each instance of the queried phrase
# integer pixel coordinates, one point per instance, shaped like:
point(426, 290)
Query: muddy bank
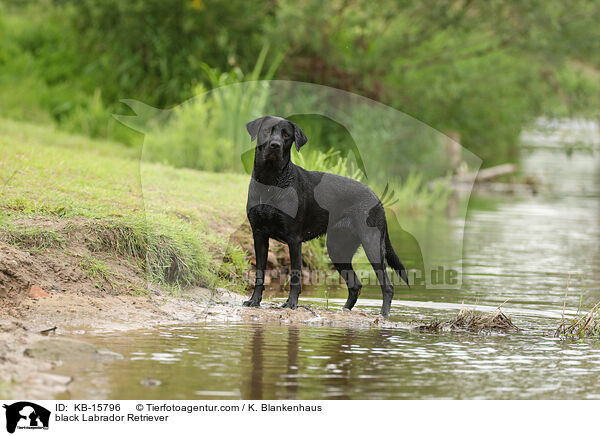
point(56, 278)
point(27, 356)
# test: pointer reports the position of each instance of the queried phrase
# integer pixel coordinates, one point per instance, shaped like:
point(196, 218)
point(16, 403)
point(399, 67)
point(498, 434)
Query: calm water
point(517, 249)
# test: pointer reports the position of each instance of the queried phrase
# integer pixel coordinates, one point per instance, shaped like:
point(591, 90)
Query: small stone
point(68, 350)
point(150, 382)
point(60, 349)
point(50, 379)
point(37, 292)
point(109, 355)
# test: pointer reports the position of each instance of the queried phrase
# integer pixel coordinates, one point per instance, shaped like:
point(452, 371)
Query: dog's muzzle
point(273, 151)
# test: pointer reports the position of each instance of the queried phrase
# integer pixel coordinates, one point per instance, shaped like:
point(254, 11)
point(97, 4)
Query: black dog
point(292, 205)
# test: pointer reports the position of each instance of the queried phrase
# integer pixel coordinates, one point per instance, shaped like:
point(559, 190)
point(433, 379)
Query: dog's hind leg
point(373, 241)
point(352, 281)
point(341, 246)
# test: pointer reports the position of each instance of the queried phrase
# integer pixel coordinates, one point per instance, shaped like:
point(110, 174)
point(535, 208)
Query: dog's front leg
point(261, 250)
point(295, 274)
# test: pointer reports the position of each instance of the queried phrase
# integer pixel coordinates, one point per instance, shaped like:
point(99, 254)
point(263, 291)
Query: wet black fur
point(293, 205)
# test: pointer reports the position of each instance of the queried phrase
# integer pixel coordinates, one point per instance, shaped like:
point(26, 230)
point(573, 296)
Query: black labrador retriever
point(293, 205)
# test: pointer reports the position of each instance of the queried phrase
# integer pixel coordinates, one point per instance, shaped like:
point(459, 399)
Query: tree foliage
point(483, 69)
point(477, 69)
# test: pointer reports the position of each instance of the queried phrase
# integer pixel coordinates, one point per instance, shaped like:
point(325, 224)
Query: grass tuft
point(97, 270)
point(180, 262)
point(33, 238)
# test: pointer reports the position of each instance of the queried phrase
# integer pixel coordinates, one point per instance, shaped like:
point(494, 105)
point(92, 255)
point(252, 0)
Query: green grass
point(98, 270)
point(176, 228)
point(176, 224)
point(32, 238)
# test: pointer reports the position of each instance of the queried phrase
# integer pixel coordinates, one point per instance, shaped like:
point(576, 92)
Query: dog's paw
point(290, 305)
point(251, 303)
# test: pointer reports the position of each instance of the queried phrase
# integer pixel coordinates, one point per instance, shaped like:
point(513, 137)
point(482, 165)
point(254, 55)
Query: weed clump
point(585, 325)
point(470, 320)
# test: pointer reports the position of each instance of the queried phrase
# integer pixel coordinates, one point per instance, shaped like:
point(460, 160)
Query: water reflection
point(291, 386)
point(290, 362)
point(254, 388)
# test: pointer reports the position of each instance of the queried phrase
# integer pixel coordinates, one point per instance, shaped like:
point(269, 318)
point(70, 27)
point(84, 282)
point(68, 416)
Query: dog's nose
point(275, 145)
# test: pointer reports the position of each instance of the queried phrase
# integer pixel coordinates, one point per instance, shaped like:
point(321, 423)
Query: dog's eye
point(285, 135)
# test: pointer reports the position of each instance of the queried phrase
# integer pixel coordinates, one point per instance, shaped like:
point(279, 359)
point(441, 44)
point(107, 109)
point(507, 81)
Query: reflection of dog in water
point(26, 414)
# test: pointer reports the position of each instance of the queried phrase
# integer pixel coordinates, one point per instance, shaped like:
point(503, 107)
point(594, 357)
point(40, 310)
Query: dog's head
point(274, 137)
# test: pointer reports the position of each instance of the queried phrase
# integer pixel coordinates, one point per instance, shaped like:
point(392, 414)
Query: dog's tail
point(393, 260)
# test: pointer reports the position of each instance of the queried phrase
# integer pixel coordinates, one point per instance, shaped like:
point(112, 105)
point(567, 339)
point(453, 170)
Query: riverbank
point(30, 330)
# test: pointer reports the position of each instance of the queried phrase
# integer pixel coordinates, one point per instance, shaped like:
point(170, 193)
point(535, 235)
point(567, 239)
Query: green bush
point(156, 49)
point(453, 65)
point(43, 77)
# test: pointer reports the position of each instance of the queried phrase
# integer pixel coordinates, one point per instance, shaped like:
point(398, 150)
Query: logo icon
point(26, 415)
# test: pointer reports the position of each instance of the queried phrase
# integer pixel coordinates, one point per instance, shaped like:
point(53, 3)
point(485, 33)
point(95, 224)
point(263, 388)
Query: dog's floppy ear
point(254, 126)
point(299, 137)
